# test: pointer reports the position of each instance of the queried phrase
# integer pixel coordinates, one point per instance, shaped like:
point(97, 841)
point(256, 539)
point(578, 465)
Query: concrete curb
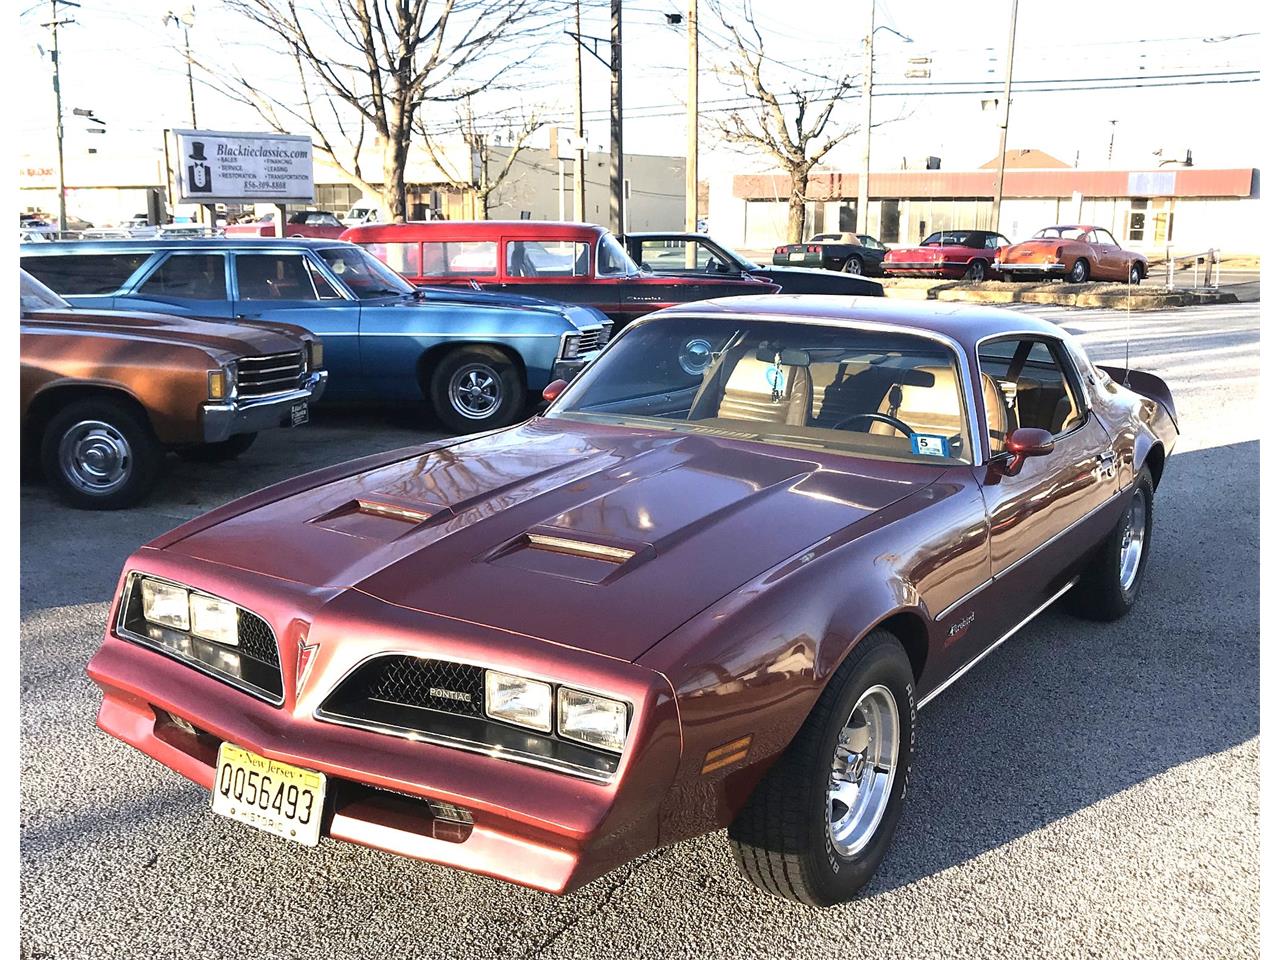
point(1115, 296)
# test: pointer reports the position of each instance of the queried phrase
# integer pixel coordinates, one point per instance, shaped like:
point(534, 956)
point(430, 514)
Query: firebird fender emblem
point(959, 628)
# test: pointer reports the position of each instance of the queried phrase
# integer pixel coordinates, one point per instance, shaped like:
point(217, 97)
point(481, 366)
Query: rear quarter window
point(87, 274)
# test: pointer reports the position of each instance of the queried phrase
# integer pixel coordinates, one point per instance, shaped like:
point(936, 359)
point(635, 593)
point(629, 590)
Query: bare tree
point(364, 69)
point(490, 164)
point(786, 118)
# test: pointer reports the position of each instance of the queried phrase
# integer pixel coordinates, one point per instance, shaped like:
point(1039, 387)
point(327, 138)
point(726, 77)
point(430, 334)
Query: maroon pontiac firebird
point(709, 587)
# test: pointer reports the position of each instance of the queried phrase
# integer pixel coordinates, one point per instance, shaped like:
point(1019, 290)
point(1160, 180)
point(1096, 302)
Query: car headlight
point(526, 703)
point(315, 355)
point(591, 719)
point(215, 619)
point(166, 605)
point(570, 349)
point(219, 384)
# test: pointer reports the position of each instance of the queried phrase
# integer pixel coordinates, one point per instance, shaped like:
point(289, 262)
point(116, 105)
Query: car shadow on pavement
point(1068, 712)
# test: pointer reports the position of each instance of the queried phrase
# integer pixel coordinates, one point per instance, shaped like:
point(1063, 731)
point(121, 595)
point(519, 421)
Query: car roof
point(519, 229)
point(966, 324)
point(181, 243)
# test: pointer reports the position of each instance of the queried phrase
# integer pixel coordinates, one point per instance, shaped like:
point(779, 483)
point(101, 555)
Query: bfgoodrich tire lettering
point(1109, 586)
point(783, 839)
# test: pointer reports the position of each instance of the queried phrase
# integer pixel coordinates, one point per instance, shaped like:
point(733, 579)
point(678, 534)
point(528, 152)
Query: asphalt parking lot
point(1087, 791)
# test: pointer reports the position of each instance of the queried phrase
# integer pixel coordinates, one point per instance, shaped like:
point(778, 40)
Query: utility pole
point(53, 25)
point(864, 180)
point(579, 185)
point(615, 121)
point(1004, 127)
point(691, 152)
point(1111, 145)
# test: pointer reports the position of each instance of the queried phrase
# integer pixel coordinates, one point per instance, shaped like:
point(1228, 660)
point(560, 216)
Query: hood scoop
point(562, 553)
point(382, 518)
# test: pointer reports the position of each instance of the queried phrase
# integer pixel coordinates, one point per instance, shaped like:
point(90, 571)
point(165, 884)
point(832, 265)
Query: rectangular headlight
point(570, 348)
point(315, 355)
point(166, 605)
point(517, 700)
point(591, 719)
point(215, 620)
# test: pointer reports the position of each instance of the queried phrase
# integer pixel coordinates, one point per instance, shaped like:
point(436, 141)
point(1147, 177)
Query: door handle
point(1105, 466)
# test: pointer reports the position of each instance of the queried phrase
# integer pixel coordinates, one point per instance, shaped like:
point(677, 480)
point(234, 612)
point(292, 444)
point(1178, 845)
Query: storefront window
point(1137, 220)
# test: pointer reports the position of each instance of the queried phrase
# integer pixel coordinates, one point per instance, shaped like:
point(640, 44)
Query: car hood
point(238, 339)
point(581, 316)
point(597, 537)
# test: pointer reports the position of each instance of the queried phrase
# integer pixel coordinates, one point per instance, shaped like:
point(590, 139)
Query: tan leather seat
point(997, 411)
point(750, 390)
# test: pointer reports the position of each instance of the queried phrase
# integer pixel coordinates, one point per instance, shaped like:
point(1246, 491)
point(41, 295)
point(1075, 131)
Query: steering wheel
point(881, 417)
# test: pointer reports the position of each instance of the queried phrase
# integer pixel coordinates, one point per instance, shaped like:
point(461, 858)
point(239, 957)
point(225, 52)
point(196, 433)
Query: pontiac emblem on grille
point(449, 694)
point(304, 660)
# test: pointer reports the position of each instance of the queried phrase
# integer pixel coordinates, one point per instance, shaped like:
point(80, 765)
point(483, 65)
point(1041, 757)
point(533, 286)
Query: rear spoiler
point(1146, 384)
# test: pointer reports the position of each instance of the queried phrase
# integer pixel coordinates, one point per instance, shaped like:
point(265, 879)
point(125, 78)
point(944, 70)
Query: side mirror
point(1022, 443)
point(556, 387)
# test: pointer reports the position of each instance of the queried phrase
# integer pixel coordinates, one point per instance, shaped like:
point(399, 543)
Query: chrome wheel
point(853, 265)
point(862, 770)
point(1132, 541)
point(1079, 272)
point(1135, 275)
point(95, 457)
point(475, 391)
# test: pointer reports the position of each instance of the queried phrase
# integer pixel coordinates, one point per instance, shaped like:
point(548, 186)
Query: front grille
point(593, 339)
point(253, 665)
point(276, 373)
point(426, 684)
point(443, 702)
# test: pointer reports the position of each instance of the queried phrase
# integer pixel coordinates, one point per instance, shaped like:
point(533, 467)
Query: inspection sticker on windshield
point(931, 445)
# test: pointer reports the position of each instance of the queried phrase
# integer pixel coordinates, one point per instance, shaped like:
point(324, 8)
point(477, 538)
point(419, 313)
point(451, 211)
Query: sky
point(123, 62)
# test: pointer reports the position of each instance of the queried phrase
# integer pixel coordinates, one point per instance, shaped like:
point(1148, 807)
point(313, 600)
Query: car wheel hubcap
point(1077, 273)
point(853, 266)
point(475, 391)
point(1132, 541)
point(862, 771)
point(95, 457)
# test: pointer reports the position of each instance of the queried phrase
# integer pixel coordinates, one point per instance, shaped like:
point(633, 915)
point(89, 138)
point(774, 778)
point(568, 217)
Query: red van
point(571, 262)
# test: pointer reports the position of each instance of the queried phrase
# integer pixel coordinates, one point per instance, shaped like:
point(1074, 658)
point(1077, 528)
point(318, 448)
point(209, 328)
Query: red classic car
point(959, 254)
point(709, 587)
point(569, 262)
point(302, 223)
point(1075, 253)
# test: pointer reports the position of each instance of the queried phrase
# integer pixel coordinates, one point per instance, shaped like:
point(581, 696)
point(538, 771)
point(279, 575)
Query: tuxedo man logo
point(199, 176)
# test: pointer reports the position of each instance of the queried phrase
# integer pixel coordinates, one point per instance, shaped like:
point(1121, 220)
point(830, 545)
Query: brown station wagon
point(106, 393)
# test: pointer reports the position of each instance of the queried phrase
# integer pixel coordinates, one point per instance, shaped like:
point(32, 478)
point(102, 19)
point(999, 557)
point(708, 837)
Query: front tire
point(977, 271)
point(1109, 587)
point(100, 454)
point(821, 821)
point(1135, 274)
point(476, 388)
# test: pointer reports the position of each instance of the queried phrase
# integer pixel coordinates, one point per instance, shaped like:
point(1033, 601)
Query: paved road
point(1088, 791)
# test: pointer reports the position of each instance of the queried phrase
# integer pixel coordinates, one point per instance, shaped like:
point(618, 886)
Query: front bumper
point(568, 369)
point(532, 826)
point(251, 414)
point(1031, 269)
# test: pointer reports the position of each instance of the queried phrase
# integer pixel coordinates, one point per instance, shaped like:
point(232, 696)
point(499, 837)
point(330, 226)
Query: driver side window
point(1030, 380)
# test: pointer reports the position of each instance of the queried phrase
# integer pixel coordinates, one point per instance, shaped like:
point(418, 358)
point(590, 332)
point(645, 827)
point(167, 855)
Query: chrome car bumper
point(251, 414)
point(1040, 269)
point(568, 369)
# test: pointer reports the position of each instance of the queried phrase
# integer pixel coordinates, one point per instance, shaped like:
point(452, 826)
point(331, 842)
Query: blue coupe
point(473, 355)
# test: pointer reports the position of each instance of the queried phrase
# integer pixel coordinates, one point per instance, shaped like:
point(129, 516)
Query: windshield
point(948, 239)
point(364, 275)
point(1063, 233)
point(612, 259)
point(35, 295)
point(852, 390)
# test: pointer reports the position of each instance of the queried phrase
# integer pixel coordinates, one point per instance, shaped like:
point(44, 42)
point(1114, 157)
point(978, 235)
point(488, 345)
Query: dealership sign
point(213, 166)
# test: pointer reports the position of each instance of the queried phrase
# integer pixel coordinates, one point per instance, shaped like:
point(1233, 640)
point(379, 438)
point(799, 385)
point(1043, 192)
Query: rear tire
point(854, 266)
point(794, 838)
point(100, 454)
point(1109, 587)
point(476, 388)
point(220, 452)
point(1079, 271)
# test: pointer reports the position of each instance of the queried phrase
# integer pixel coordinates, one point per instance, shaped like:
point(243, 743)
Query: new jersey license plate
point(276, 797)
